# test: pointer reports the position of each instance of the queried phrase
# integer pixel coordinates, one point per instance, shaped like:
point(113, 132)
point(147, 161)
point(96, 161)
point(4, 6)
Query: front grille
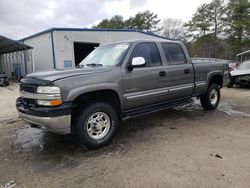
point(28, 88)
point(29, 102)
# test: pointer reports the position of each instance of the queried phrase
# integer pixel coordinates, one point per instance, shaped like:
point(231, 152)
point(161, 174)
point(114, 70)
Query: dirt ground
point(181, 147)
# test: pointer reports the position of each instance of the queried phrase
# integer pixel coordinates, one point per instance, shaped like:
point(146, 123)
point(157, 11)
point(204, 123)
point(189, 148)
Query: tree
point(238, 24)
point(116, 22)
point(207, 24)
point(146, 21)
point(200, 24)
point(172, 28)
point(216, 15)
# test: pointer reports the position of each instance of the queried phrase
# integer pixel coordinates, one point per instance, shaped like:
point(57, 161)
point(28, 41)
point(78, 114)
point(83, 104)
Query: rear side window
point(149, 51)
point(174, 54)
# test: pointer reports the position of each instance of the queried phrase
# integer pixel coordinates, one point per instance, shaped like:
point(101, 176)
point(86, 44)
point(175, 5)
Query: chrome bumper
point(59, 124)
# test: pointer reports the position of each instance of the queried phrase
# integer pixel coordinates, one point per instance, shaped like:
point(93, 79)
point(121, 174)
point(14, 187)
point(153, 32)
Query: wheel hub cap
point(213, 96)
point(98, 125)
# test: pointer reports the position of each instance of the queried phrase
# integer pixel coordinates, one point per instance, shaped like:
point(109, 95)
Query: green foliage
point(207, 20)
point(238, 24)
point(216, 18)
point(116, 22)
point(200, 22)
point(219, 28)
point(196, 48)
point(146, 21)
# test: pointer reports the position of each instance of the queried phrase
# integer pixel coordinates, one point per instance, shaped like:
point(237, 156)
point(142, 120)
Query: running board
point(153, 108)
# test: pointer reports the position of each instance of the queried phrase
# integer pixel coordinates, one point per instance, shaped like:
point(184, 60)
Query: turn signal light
point(55, 102)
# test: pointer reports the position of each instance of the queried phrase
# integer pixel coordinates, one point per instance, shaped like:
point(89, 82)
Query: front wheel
point(96, 125)
point(211, 99)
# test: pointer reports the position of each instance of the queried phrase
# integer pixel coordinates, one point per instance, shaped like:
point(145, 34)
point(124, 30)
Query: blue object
point(17, 70)
point(67, 64)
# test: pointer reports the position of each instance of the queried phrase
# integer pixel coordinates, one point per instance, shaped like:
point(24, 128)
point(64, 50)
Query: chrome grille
point(28, 88)
point(28, 102)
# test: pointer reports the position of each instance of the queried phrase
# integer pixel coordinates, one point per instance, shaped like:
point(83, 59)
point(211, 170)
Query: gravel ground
point(181, 147)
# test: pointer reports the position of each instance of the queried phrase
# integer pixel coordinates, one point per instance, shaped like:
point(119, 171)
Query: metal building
point(15, 58)
point(59, 48)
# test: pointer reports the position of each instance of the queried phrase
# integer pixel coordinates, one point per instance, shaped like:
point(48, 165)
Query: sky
point(21, 18)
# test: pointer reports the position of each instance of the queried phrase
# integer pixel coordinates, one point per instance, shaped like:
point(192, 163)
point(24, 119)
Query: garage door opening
point(81, 50)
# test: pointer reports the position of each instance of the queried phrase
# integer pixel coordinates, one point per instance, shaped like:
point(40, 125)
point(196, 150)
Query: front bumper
point(53, 119)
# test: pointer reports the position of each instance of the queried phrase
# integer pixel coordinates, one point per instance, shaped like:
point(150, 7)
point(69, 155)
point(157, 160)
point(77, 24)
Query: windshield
point(244, 65)
point(106, 56)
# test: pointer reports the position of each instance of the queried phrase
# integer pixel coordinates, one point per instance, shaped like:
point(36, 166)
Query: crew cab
point(116, 82)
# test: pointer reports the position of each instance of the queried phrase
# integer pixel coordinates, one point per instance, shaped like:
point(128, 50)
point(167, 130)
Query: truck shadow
point(28, 139)
point(47, 151)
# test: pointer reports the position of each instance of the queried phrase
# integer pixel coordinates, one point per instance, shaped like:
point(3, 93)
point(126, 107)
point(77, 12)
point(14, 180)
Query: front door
point(144, 85)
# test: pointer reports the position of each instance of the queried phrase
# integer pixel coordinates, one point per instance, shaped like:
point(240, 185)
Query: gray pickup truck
point(115, 82)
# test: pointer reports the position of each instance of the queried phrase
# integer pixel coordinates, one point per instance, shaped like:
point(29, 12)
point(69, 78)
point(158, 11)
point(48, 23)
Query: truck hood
point(54, 75)
point(238, 72)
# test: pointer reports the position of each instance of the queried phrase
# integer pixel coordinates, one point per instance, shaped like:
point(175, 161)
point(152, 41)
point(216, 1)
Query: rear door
point(144, 85)
point(179, 73)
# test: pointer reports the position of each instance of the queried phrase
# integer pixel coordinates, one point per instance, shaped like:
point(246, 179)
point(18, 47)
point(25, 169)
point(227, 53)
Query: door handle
point(162, 73)
point(186, 71)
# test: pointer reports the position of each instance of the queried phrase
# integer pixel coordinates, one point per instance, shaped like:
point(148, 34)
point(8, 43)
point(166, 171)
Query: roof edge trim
point(90, 29)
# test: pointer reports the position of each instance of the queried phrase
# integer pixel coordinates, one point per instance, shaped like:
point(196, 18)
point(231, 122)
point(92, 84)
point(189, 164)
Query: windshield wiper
point(94, 65)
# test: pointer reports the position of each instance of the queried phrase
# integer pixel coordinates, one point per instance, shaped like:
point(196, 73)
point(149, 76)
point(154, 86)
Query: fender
point(211, 74)
point(73, 94)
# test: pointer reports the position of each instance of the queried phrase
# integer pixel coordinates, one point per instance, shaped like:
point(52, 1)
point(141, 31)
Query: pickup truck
point(116, 82)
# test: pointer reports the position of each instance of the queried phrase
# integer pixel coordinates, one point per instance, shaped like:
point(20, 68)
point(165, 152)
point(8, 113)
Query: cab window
point(174, 54)
point(149, 51)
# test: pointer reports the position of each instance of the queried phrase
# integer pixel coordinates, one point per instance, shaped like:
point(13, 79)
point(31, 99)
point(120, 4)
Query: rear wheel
point(211, 99)
point(96, 125)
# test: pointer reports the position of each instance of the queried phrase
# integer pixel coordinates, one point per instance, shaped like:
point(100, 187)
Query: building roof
point(8, 45)
point(95, 30)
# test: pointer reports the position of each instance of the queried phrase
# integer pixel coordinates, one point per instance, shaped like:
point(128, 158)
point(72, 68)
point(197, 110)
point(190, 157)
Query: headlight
point(52, 96)
point(48, 89)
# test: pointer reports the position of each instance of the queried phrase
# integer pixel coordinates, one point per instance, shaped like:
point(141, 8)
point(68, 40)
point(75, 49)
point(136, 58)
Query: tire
point(96, 125)
point(211, 99)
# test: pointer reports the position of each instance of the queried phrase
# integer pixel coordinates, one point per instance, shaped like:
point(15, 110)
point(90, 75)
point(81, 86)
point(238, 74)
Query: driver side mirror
point(137, 62)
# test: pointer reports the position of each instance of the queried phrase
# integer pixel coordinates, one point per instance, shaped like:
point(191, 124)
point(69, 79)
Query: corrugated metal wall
point(42, 52)
point(16, 64)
